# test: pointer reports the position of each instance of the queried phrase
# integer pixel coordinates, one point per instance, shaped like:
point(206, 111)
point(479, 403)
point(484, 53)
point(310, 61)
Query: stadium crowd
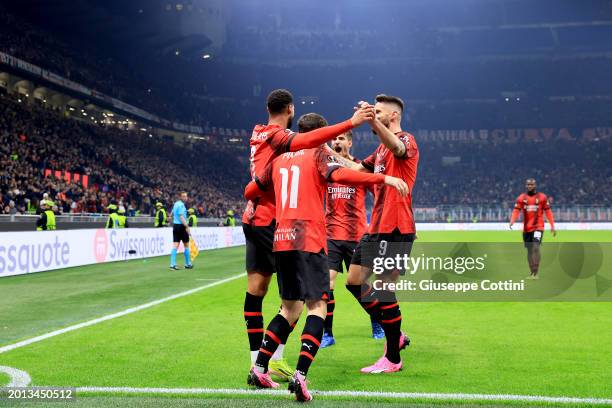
point(126, 167)
point(493, 173)
point(136, 171)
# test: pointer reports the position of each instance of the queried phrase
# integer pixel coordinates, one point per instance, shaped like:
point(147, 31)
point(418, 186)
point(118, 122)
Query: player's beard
point(289, 122)
point(385, 122)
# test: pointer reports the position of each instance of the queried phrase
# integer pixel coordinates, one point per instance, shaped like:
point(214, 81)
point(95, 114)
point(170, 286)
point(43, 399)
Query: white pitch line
point(54, 333)
point(18, 378)
point(352, 394)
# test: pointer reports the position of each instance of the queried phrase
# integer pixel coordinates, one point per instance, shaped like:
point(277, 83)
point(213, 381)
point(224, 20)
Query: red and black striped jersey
point(392, 211)
point(267, 142)
point(299, 180)
point(533, 208)
point(345, 215)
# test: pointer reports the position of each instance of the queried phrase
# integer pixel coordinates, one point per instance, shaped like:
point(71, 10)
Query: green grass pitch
point(199, 341)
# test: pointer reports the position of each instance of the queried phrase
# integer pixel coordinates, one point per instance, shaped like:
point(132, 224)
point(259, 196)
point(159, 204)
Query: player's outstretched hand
point(398, 184)
point(554, 232)
point(363, 104)
point(363, 114)
point(510, 225)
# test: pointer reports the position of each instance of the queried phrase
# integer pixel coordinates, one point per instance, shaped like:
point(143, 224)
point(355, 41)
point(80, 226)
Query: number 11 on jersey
point(295, 182)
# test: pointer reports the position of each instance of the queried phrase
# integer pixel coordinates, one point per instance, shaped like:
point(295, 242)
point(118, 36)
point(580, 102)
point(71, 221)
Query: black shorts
point(302, 275)
point(338, 252)
point(533, 237)
point(179, 233)
point(386, 245)
point(259, 240)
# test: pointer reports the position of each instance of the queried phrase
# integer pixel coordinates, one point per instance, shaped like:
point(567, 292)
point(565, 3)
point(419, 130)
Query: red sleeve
point(517, 208)
point(347, 176)
point(252, 191)
point(317, 137)
point(259, 186)
point(410, 145)
point(326, 163)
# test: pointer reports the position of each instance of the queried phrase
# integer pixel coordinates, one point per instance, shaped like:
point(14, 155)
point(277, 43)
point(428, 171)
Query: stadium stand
point(124, 166)
point(134, 169)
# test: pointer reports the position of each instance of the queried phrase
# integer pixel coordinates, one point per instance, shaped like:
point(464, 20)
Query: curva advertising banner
point(38, 251)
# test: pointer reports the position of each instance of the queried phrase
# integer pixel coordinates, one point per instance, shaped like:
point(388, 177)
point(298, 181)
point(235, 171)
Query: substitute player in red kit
point(299, 182)
point(534, 205)
point(267, 142)
point(391, 231)
point(346, 222)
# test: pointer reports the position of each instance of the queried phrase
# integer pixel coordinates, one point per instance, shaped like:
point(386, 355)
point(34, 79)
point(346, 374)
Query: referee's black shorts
point(259, 240)
point(302, 275)
point(179, 233)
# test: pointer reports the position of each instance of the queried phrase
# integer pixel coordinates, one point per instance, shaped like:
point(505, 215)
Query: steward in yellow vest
point(123, 222)
point(161, 217)
point(113, 217)
point(230, 221)
point(192, 219)
point(46, 222)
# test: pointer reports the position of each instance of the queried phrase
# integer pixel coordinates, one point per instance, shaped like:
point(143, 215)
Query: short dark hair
point(391, 99)
point(348, 134)
point(278, 100)
point(311, 121)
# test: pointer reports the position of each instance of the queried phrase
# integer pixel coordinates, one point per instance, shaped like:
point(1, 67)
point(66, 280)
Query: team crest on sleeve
point(332, 161)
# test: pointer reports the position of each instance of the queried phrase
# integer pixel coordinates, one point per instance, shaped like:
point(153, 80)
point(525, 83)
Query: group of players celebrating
point(294, 175)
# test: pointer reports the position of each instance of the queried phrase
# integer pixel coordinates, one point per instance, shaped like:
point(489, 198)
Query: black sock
point(277, 332)
point(254, 320)
point(391, 321)
point(367, 298)
point(311, 341)
point(329, 319)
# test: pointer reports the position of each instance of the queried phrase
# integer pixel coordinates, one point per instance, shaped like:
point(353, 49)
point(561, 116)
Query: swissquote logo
point(100, 245)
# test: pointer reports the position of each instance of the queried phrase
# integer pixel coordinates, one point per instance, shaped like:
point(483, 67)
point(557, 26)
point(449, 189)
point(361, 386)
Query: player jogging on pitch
point(267, 142)
point(299, 181)
point(180, 232)
point(391, 231)
point(346, 222)
point(534, 206)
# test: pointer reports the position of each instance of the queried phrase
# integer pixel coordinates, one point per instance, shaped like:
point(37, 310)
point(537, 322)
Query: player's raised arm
point(386, 123)
point(388, 138)
point(317, 137)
